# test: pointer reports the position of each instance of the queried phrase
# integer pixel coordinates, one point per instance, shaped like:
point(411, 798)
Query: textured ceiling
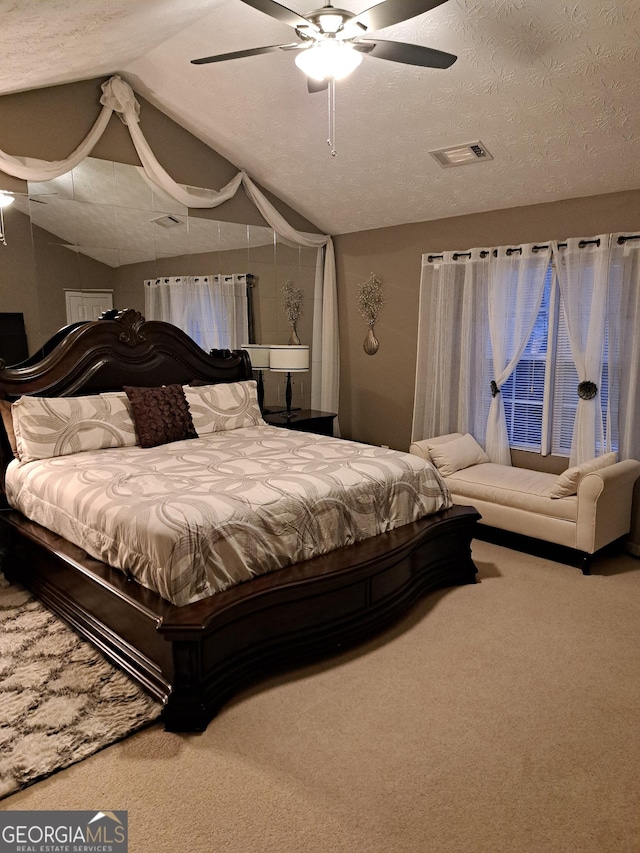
point(551, 88)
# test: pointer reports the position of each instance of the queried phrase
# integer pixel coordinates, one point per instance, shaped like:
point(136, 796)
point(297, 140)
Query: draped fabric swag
point(119, 97)
point(212, 309)
point(477, 312)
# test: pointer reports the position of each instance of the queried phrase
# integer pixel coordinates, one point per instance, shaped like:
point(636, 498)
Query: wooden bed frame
point(193, 658)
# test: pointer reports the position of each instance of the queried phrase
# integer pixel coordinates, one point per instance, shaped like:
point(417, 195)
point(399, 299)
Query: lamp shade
point(329, 59)
point(259, 355)
point(289, 359)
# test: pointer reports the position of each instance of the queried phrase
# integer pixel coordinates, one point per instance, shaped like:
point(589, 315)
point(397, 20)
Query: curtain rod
point(483, 254)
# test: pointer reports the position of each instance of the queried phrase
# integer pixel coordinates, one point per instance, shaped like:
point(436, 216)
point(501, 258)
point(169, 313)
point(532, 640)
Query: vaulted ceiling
point(551, 88)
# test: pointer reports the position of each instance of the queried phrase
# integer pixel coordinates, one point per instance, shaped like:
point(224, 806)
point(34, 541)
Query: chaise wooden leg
point(585, 564)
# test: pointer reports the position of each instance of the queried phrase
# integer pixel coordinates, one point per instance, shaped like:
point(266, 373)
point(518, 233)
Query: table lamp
point(260, 360)
point(289, 359)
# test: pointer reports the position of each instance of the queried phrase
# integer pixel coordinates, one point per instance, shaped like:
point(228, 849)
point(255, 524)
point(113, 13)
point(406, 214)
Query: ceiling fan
point(332, 41)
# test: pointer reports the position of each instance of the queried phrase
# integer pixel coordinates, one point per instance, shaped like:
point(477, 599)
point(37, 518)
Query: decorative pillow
point(161, 415)
point(421, 448)
point(454, 455)
point(567, 483)
point(7, 420)
point(216, 408)
point(56, 426)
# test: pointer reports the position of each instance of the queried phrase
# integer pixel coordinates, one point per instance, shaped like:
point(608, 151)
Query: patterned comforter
point(191, 518)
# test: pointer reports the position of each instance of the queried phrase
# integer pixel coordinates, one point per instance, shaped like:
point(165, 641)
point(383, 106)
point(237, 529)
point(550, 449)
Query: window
point(540, 397)
point(212, 310)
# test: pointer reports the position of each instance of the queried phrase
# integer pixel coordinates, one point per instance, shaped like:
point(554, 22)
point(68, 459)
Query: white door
point(87, 304)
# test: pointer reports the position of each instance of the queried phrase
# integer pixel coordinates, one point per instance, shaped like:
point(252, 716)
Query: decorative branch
point(370, 298)
point(370, 302)
point(292, 301)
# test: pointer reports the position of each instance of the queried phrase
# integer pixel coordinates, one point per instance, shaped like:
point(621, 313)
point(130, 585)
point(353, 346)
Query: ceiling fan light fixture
point(328, 59)
point(6, 200)
point(330, 23)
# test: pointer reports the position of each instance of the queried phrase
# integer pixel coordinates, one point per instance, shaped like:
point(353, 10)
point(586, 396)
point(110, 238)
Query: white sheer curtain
point(211, 309)
point(624, 343)
point(119, 97)
point(582, 268)
point(477, 311)
point(516, 285)
point(453, 370)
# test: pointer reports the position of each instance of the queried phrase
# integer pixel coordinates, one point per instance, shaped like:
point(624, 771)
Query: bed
point(193, 646)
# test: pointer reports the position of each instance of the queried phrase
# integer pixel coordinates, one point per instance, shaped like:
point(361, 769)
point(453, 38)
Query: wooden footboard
point(193, 658)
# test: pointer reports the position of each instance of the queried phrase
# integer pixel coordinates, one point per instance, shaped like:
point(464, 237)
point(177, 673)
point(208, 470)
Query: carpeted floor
point(60, 700)
point(500, 717)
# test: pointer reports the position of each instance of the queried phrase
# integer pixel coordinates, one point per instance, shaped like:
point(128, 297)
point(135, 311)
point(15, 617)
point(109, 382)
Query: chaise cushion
point(511, 487)
point(567, 483)
point(454, 455)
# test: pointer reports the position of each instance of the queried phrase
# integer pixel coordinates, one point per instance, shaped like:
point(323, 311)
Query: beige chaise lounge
point(585, 508)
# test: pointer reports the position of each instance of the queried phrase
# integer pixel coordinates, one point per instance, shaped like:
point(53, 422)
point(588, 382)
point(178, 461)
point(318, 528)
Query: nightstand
point(305, 420)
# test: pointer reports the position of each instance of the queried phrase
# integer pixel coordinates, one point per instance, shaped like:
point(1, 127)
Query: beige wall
point(18, 289)
point(49, 124)
point(376, 392)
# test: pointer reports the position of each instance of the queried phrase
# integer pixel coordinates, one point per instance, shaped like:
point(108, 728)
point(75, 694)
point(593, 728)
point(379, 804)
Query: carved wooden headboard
point(105, 355)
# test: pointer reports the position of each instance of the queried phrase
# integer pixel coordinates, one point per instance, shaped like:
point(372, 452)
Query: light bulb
point(330, 23)
point(6, 200)
point(329, 59)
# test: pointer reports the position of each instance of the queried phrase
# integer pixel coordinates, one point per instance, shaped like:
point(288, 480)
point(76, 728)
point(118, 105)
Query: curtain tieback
point(494, 388)
point(587, 390)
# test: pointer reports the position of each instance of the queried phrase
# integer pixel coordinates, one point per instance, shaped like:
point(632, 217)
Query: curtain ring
point(494, 388)
point(587, 390)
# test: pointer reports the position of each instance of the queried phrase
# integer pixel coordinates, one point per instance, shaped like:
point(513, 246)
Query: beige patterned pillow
point(57, 426)
point(216, 408)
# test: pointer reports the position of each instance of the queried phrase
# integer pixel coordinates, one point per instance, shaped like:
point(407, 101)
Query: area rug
point(60, 699)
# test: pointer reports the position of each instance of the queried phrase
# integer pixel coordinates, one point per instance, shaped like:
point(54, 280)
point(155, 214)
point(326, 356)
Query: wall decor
point(370, 301)
point(292, 301)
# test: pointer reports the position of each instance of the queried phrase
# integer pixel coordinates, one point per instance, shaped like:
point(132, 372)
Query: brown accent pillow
point(161, 415)
point(7, 420)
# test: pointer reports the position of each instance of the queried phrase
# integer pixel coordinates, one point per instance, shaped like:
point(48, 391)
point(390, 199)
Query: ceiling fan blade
point(316, 85)
point(392, 12)
point(239, 54)
point(409, 54)
point(280, 13)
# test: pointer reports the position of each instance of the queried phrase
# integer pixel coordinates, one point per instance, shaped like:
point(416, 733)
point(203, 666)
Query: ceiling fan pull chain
point(331, 117)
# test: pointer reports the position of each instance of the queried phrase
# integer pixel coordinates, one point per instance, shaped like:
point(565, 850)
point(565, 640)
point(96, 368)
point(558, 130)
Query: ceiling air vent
point(460, 155)
point(167, 221)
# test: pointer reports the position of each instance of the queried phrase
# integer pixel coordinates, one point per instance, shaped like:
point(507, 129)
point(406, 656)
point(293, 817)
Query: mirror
point(105, 227)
